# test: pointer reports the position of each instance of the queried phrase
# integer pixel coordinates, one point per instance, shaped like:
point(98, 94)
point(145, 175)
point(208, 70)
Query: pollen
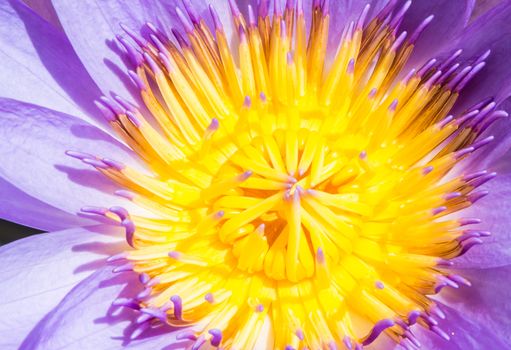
point(311, 189)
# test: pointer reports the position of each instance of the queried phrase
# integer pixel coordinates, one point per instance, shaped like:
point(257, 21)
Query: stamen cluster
point(290, 187)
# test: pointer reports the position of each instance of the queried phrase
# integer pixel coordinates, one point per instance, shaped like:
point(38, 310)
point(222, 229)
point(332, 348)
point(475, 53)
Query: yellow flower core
point(293, 187)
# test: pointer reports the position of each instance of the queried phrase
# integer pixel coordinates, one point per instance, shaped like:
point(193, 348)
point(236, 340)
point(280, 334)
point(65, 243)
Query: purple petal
point(495, 213)
point(38, 271)
point(39, 65)
point(33, 141)
point(21, 208)
point(465, 333)
point(451, 17)
point(86, 319)
point(478, 316)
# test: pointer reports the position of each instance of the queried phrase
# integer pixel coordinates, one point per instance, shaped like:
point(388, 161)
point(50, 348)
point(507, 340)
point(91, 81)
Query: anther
point(216, 336)
point(178, 306)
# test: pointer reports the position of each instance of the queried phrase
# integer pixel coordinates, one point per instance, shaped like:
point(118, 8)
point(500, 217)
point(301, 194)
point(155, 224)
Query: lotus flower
point(298, 175)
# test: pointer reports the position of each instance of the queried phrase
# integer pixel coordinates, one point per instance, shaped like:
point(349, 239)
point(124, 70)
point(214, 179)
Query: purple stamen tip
point(198, 343)
point(469, 243)
point(184, 21)
point(137, 80)
point(469, 221)
point(420, 28)
point(460, 280)
point(320, 256)
point(259, 308)
point(110, 104)
point(126, 302)
point(79, 155)
point(299, 334)
point(209, 298)
point(363, 155)
point(133, 119)
point(234, 8)
point(347, 342)
point(191, 12)
point(351, 66)
point(126, 194)
point(400, 39)
point(216, 20)
point(123, 268)
point(144, 278)
point(413, 316)
point(117, 257)
point(178, 306)
point(144, 293)
point(427, 170)
point(452, 195)
point(188, 335)
point(290, 59)
point(182, 43)
point(114, 164)
point(483, 179)
point(152, 63)
point(438, 210)
point(251, 17)
point(393, 105)
point(134, 55)
point(130, 228)
point(219, 214)
point(247, 102)
point(263, 8)
point(174, 255)
point(483, 142)
point(444, 262)
point(213, 126)
point(121, 212)
point(377, 330)
point(107, 112)
point(94, 210)
point(332, 346)
point(216, 336)
point(139, 330)
point(363, 17)
point(262, 96)
point(475, 196)
point(440, 333)
point(373, 92)
point(463, 152)
point(132, 35)
point(470, 177)
point(245, 175)
point(95, 163)
point(379, 285)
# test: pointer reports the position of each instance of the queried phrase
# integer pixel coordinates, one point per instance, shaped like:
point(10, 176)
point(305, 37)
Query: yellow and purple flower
point(270, 175)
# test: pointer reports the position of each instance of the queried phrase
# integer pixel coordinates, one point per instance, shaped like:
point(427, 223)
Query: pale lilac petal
point(93, 35)
point(39, 65)
point(33, 141)
point(451, 17)
point(85, 319)
point(19, 207)
point(495, 213)
point(38, 271)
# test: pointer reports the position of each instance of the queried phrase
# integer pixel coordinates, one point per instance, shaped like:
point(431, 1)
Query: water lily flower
point(242, 175)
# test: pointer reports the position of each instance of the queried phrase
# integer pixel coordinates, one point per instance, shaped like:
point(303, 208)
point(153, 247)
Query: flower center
point(305, 189)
